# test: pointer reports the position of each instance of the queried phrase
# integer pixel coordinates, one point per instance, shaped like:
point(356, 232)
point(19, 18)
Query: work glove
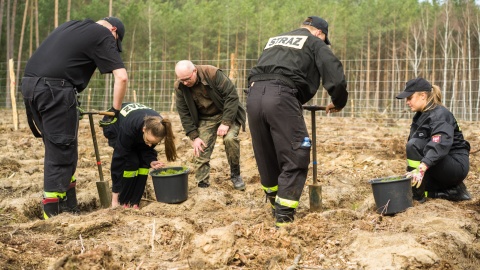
point(417, 175)
point(109, 120)
point(80, 112)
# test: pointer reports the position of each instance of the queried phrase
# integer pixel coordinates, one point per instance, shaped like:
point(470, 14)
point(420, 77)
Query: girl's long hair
point(162, 128)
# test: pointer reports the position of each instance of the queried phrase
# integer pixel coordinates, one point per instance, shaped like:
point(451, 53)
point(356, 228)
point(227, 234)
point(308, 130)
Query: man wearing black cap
point(437, 153)
point(56, 72)
point(287, 75)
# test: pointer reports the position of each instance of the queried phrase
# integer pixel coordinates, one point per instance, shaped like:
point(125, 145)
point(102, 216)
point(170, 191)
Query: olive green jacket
point(224, 95)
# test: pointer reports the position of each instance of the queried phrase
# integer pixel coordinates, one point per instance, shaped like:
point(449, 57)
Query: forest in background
point(382, 43)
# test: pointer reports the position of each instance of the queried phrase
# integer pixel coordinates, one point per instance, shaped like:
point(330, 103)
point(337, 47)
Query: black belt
point(269, 77)
point(56, 81)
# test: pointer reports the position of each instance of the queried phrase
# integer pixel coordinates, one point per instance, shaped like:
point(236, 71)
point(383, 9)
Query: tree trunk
point(69, 7)
point(407, 76)
point(470, 75)
point(434, 75)
point(37, 35)
point(394, 59)
point(477, 28)
point(367, 79)
point(106, 101)
point(149, 49)
point(445, 49)
point(30, 47)
point(377, 86)
point(131, 79)
point(20, 44)
point(2, 4)
point(55, 16)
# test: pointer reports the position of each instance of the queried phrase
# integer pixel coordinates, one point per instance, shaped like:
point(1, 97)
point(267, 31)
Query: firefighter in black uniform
point(437, 153)
point(134, 137)
point(287, 75)
point(58, 70)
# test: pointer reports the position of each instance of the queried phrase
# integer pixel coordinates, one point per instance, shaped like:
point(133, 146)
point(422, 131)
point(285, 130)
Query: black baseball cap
point(120, 29)
point(415, 85)
point(318, 23)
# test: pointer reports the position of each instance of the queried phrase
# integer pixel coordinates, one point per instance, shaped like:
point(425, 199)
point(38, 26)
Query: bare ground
point(220, 228)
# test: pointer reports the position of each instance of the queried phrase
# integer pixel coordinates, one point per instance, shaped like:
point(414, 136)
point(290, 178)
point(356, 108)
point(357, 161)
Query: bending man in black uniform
point(208, 105)
point(437, 154)
point(287, 75)
point(134, 137)
point(58, 70)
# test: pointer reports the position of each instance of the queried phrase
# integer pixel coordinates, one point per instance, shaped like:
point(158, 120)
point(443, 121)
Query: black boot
point(271, 197)
point(235, 177)
point(51, 207)
point(284, 215)
point(456, 193)
point(418, 194)
point(70, 203)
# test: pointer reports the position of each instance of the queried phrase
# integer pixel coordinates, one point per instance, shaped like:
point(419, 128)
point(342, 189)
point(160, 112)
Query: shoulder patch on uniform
point(286, 41)
point(436, 138)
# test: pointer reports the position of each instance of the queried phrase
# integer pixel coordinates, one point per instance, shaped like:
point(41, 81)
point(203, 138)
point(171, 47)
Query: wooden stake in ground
point(12, 94)
point(173, 102)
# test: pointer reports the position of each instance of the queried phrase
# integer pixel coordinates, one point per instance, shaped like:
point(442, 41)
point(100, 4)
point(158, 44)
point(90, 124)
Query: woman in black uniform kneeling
point(437, 153)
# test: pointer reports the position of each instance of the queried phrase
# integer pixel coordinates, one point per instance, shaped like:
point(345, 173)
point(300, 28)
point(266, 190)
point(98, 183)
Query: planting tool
point(315, 189)
point(100, 113)
point(102, 186)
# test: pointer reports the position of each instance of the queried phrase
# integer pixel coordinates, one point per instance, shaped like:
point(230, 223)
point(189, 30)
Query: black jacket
point(304, 60)
point(442, 133)
point(73, 51)
point(126, 135)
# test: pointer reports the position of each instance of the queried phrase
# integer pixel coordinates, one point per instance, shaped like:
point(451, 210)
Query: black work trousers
point(129, 174)
point(447, 173)
point(53, 106)
point(277, 127)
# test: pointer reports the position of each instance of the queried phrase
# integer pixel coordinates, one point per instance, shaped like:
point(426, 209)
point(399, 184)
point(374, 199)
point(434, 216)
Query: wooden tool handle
point(100, 113)
point(314, 108)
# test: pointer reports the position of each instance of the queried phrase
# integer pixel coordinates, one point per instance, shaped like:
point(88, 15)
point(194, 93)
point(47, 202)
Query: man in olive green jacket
point(208, 105)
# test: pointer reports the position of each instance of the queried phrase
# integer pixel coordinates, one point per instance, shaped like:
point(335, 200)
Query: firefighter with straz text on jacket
point(287, 75)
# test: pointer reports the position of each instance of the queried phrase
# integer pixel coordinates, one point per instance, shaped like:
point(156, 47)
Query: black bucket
point(171, 188)
point(392, 194)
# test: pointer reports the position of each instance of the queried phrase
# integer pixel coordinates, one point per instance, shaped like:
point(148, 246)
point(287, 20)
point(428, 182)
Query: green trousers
point(208, 133)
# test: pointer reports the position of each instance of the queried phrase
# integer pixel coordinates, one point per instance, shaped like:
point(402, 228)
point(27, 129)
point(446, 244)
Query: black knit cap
point(415, 85)
point(318, 23)
point(120, 29)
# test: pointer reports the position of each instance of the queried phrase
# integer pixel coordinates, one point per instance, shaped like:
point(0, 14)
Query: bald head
point(184, 68)
point(186, 73)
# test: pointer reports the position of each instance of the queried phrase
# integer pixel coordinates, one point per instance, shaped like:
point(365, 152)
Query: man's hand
point(157, 164)
point(331, 108)
point(222, 130)
point(198, 145)
point(417, 175)
point(108, 120)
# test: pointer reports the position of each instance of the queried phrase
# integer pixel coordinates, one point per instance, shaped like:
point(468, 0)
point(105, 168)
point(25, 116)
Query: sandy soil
point(221, 228)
